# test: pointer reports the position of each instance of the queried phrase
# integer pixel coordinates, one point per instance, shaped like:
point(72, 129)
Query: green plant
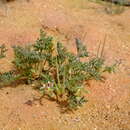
point(58, 74)
point(7, 77)
point(30, 61)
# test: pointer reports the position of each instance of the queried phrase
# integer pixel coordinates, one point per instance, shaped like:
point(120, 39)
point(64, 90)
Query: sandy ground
point(108, 106)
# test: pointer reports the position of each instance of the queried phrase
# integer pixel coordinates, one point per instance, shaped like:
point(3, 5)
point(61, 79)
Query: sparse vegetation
point(112, 8)
point(7, 77)
point(58, 74)
point(30, 101)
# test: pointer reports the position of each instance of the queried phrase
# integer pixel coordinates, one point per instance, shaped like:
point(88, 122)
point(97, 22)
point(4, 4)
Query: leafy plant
point(58, 74)
point(7, 77)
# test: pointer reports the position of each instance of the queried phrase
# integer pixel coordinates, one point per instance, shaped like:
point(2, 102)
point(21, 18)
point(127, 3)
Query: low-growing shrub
point(58, 74)
point(7, 77)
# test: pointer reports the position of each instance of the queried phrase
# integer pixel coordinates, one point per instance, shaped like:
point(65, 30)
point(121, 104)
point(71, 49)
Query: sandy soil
point(108, 106)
